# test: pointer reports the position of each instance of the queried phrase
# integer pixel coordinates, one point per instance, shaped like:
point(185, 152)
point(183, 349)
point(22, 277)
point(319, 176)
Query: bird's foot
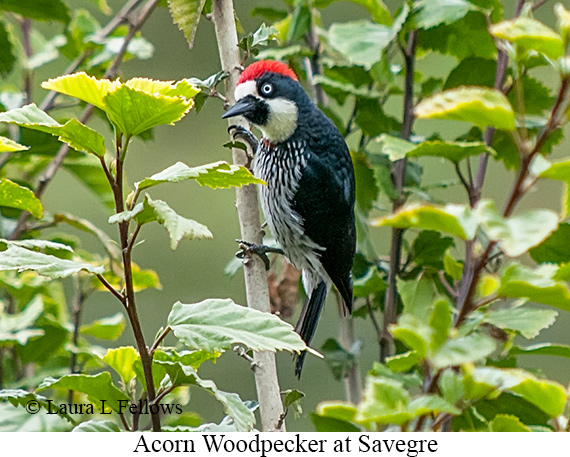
point(261, 250)
point(237, 132)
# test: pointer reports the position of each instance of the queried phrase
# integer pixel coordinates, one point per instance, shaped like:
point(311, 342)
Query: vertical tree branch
point(267, 383)
point(126, 251)
point(399, 176)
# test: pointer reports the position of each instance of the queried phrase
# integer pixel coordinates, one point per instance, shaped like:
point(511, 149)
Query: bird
point(308, 202)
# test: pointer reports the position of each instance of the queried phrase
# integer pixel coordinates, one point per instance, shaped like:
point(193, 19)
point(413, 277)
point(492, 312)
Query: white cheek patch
point(246, 88)
point(282, 120)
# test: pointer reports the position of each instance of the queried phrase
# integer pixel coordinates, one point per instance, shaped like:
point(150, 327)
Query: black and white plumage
point(309, 198)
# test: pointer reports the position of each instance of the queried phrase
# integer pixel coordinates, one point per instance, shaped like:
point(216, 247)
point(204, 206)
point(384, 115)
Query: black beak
point(243, 106)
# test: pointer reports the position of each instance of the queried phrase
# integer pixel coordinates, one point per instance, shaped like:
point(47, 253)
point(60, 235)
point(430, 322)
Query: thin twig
point(133, 238)
point(447, 286)
point(124, 422)
point(161, 337)
point(111, 289)
point(163, 394)
point(467, 186)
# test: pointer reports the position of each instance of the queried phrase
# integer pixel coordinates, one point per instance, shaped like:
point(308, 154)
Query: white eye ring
point(266, 89)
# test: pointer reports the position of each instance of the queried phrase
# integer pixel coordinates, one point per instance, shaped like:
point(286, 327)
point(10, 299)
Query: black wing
point(325, 201)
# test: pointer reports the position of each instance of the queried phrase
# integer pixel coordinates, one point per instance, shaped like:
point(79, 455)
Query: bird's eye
point(266, 89)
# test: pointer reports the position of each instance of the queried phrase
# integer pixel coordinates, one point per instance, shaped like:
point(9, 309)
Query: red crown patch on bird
point(256, 69)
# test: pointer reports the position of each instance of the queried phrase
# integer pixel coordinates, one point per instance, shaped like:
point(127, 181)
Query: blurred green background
point(195, 270)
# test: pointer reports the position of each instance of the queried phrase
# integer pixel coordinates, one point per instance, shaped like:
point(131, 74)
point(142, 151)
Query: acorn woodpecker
point(309, 198)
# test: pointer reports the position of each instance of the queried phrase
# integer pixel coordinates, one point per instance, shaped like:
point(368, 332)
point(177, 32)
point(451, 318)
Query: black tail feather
point(308, 322)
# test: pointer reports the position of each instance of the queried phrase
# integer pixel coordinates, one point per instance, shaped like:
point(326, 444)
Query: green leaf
point(507, 423)
point(41, 10)
point(528, 34)
point(337, 409)
point(451, 386)
point(417, 296)
point(384, 402)
point(536, 96)
point(97, 426)
point(429, 248)
point(472, 71)
point(366, 189)
point(7, 57)
point(177, 226)
point(339, 359)
point(234, 407)
point(403, 362)
point(557, 170)
point(559, 350)
point(122, 360)
point(481, 106)
point(516, 234)
point(431, 13)
point(455, 151)
point(536, 284)
point(13, 195)
point(20, 259)
point(377, 9)
point(216, 324)
point(186, 15)
point(452, 267)
point(467, 37)
point(394, 147)
point(20, 397)
point(332, 424)
point(547, 395)
point(362, 43)
point(261, 37)
point(413, 333)
point(428, 404)
point(28, 116)
point(184, 88)
point(98, 387)
point(214, 175)
point(82, 86)
point(440, 321)
point(508, 403)
point(18, 328)
point(81, 138)
point(526, 321)
point(369, 284)
point(74, 133)
point(134, 111)
point(555, 248)
point(291, 396)
point(455, 219)
point(107, 328)
point(19, 420)
point(7, 145)
point(181, 367)
point(465, 349)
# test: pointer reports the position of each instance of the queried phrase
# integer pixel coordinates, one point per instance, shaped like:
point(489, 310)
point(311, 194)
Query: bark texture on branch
point(267, 383)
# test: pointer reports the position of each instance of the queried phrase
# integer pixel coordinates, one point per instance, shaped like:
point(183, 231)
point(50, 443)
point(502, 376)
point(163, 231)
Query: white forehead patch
point(246, 88)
